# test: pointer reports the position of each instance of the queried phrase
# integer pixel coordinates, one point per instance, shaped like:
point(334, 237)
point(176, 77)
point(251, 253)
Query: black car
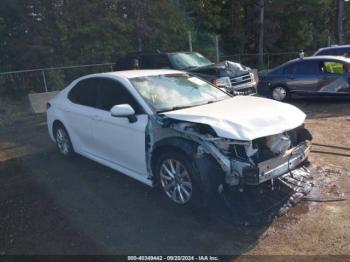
point(236, 78)
point(318, 76)
point(339, 50)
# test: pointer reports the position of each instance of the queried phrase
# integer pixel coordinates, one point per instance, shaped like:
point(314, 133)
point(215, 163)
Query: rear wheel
point(280, 93)
point(63, 142)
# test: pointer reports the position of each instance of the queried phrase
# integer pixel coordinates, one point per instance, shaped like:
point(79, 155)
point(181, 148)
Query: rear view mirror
point(124, 110)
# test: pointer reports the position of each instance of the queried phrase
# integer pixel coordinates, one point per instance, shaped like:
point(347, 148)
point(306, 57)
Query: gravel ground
point(50, 205)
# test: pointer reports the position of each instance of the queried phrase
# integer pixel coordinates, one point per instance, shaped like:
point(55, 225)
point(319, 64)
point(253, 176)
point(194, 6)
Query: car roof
point(333, 47)
point(139, 73)
point(328, 57)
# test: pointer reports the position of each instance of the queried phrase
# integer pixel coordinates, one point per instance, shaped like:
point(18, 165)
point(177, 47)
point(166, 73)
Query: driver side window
point(332, 67)
point(113, 93)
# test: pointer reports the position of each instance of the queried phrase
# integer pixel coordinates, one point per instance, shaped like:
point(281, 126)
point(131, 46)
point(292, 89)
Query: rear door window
point(148, 62)
point(155, 62)
point(161, 61)
point(306, 68)
point(85, 92)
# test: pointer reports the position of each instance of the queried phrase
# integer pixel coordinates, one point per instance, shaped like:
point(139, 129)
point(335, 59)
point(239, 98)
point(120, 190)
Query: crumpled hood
point(228, 68)
point(243, 117)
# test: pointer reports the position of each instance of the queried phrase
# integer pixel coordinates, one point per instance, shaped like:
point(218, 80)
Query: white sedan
point(168, 128)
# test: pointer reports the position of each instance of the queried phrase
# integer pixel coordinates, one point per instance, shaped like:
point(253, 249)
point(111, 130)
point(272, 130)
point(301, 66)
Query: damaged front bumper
point(277, 166)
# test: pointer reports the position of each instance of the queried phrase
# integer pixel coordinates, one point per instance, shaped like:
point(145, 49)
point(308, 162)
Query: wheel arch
point(204, 164)
point(184, 145)
point(279, 84)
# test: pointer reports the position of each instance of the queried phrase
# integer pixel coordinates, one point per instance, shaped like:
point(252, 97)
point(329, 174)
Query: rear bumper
point(277, 166)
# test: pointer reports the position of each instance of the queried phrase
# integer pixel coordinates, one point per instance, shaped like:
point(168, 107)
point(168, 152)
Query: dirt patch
point(53, 206)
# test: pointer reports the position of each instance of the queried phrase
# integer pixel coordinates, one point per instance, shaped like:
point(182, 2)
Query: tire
point(280, 93)
point(176, 178)
point(63, 142)
point(201, 188)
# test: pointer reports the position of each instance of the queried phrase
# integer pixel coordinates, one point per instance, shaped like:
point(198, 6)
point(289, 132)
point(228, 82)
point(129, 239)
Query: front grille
point(239, 80)
point(245, 91)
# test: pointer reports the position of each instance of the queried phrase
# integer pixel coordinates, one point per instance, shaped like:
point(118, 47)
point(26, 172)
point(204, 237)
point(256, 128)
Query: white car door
point(115, 138)
point(78, 113)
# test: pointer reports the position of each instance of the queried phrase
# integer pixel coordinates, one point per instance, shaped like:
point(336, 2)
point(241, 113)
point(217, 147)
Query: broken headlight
point(223, 145)
point(223, 82)
point(241, 150)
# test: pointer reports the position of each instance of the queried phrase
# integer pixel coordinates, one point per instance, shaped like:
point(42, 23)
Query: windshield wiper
point(187, 106)
point(175, 108)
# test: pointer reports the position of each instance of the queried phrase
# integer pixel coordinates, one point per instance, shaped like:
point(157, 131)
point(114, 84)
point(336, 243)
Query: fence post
point(111, 68)
point(190, 40)
point(44, 79)
point(268, 61)
point(217, 52)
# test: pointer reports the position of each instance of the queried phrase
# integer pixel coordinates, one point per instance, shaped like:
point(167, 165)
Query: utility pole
point(261, 31)
point(340, 28)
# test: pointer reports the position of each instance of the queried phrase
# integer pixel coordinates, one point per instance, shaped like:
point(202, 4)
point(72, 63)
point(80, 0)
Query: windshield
point(185, 61)
point(171, 92)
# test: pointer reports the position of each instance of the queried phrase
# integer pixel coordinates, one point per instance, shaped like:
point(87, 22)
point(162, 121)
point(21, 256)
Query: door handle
point(97, 118)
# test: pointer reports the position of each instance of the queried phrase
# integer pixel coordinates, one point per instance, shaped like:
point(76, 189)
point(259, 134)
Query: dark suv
point(236, 78)
point(339, 50)
point(316, 75)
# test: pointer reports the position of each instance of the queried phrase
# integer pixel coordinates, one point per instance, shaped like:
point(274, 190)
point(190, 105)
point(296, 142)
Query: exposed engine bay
point(245, 162)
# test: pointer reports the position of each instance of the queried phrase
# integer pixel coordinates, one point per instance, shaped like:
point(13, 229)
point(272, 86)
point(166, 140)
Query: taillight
point(48, 105)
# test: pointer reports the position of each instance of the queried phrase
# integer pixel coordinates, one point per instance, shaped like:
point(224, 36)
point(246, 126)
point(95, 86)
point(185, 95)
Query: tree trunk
point(340, 31)
point(138, 23)
point(261, 32)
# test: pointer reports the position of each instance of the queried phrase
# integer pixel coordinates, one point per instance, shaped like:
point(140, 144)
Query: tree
point(340, 19)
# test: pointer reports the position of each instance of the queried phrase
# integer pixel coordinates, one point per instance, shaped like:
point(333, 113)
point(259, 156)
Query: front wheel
point(176, 175)
point(280, 93)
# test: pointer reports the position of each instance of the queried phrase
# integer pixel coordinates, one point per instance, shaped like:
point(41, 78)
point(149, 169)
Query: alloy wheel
point(176, 181)
point(279, 93)
point(62, 141)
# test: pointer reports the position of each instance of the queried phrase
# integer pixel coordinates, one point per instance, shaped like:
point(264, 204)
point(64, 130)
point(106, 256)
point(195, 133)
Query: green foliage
point(40, 33)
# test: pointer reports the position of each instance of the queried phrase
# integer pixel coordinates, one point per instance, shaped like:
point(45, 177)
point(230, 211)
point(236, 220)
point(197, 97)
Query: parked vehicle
point(236, 78)
point(337, 50)
point(311, 76)
point(168, 128)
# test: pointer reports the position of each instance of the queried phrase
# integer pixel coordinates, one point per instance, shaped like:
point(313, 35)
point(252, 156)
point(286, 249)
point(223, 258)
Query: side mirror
point(124, 110)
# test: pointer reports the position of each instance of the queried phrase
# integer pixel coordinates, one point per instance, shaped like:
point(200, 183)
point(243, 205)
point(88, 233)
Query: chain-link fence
point(22, 82)
point(17, 83)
